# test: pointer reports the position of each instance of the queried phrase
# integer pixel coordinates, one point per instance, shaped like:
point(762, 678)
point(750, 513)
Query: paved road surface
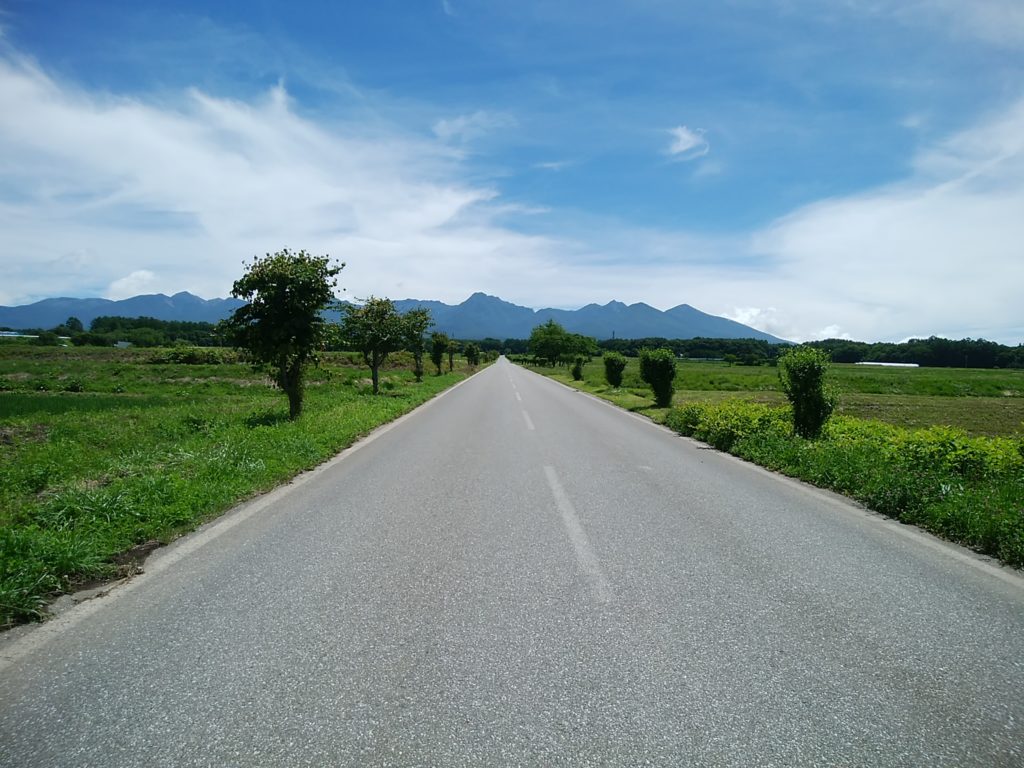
point(519, 575)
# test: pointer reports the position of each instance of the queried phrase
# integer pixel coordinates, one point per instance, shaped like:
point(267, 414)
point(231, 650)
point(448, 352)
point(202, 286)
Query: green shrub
point(658, 370)
point(614, 365)
point(968, 489)
point(577, 367)
point(802, 371)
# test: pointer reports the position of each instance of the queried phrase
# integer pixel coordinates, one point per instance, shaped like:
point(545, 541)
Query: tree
point(281, 326)
point(416, 323)
point(577, 367)
point(453, 348)
point(658, 369)
point(74, 325)
point(438, 346)
point(802, 372)
point(614, 365)
point(548, 341)
point(472, 352)
point(376, 329)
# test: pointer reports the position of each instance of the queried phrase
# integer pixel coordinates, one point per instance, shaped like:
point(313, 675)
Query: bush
point(577, 367)
point(969, 489)
point(802, 371)
point(658, 370)
point(614, 365)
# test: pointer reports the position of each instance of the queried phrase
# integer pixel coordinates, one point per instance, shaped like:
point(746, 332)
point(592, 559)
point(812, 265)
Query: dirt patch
point(35, 433)
point(130, 561)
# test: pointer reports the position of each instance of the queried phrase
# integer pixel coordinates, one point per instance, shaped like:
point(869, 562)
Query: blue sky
point(851, 168)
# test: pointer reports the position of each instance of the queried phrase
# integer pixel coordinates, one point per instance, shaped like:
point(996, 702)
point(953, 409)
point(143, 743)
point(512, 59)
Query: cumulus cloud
point(138, 282)
point(106, 195)
point(687, 144)
point(189, 190)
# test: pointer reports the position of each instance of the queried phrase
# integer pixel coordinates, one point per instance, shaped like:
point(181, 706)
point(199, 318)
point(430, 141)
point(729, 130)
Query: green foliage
point(46, 339)
point(87, 476)
point(194, 356)
point(472, 353)
point(577, 367)
point(451, 351)
point(969, 489)
point(417, 321)
point(658, 370)
point(614, 364)
point(550, 342)
point(281, 326)
point(439, 343)
point(802, 373)
point(375, 329)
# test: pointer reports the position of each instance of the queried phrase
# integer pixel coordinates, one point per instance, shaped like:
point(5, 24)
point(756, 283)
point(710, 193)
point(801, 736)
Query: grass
point(981, 402)
point(104, 450)
point(901, 443)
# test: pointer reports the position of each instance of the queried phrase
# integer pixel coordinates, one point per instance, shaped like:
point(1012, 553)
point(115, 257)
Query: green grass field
point(102, 450)
point(939, 448)
point(981, 402)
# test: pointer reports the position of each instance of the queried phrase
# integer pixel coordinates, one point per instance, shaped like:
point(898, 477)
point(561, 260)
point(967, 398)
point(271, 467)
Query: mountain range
point(480, 316)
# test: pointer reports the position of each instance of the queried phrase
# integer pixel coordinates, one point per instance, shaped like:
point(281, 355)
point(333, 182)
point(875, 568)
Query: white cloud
point(447, 7)
point(107, 195)
point(687, 144)
point(138, 282)
point(472, 126)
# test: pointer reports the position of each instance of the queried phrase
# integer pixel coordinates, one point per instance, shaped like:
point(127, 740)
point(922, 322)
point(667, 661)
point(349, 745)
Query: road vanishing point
point(517, 574)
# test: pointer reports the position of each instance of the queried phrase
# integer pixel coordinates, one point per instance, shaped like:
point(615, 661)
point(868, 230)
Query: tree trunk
point(375, 377)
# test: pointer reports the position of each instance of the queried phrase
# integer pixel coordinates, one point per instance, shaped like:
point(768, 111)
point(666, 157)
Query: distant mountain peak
point(479, 316)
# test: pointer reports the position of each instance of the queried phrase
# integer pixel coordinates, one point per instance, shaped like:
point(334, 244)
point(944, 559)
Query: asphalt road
point(517, 574)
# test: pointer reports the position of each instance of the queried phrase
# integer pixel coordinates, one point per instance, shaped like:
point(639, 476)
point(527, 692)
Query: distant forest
point(931, 352)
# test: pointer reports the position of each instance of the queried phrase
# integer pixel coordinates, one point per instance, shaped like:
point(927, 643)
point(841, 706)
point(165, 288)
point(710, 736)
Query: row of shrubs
point(967, 489)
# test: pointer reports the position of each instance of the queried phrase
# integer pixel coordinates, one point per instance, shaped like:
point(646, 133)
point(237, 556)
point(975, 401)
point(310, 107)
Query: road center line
point(519, 397)
point(529, 422)
point(585, 556)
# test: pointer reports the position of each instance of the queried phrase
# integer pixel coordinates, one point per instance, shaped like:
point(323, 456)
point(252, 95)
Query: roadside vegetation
point(938, 448)
point(103, 450)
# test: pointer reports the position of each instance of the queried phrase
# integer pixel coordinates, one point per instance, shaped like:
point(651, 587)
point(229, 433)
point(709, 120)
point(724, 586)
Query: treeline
point(933, 352)
point(106, 331)
point(741, 351)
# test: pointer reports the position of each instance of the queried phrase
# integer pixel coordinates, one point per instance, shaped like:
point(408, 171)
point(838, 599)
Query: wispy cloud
point(687, 144)
point(465, 128)
point(553, 165)
point(448, 8)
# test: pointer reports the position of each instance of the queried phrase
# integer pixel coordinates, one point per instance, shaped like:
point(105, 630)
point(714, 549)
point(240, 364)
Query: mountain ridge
point(479, 316)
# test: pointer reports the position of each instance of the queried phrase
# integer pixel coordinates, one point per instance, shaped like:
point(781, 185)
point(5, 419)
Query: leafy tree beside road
point(439, 342)
point(416, 323)
point(281, 326)
point(658, 370)
point(802, 372)
point(376, 329)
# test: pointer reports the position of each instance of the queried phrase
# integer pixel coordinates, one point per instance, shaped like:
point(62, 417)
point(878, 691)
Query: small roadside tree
point(658, 369)
point(281, 326)
point(577, 367)
point(453, 348)
point(375, 329)
point(614, 365)
point(416, 323)
point(438, 346)
point(472, 352)
point(802, 372)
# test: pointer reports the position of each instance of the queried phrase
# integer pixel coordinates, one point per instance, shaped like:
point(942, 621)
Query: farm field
point(981, 402)
point(104, 453)
point(938, 448)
